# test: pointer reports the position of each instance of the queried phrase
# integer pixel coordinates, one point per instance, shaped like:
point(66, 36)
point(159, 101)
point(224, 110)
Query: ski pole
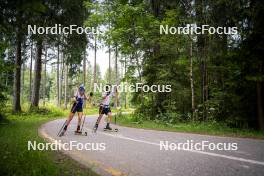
point(73, 109)
point(62, 128)
point(83, 123)
point(83, 116)
point(98, 120)
point(66, 121)
point(100, 113)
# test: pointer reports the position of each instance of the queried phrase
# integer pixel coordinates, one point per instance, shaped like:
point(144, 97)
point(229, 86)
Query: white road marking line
point(194, 151)
point(242, 152)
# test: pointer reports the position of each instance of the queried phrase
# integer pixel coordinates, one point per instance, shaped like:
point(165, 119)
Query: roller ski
point(80, 131)
point(108, 128)
point(112, 130)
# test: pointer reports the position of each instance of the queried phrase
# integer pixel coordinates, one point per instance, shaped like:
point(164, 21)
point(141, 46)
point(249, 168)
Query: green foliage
point(231, 67)
point(5, 68)
point(209, 128)
point(18, 160)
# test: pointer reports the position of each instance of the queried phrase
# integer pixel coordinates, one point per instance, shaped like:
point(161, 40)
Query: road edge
point(96, 166)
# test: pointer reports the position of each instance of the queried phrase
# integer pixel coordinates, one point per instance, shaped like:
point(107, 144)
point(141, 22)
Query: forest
point(214, 77)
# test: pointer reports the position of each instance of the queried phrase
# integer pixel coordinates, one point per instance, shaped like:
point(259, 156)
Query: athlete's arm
point(104, 95)
point(85, 97)
point(74, 99)
point(113, 94)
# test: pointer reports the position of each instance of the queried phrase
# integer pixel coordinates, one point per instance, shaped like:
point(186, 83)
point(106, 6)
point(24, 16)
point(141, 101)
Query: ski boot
point(95, 128)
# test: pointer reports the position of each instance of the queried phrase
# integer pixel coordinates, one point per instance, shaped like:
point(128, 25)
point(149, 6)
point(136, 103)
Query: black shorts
point(104, 110)
point(76, 108)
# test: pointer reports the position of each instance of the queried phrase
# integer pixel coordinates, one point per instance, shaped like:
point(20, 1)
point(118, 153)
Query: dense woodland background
point(213, 77)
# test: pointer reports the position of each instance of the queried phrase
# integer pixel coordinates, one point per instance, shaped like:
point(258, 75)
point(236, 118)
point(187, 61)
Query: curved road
point(137, 152)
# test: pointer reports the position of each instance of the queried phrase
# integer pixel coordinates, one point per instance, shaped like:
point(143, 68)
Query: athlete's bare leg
point(109, 117)
point(70, 118)
point(79, 120)
point(67, 123)
point(98, 119)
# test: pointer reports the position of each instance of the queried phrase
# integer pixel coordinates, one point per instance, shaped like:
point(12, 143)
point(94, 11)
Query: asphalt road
point(137, 152)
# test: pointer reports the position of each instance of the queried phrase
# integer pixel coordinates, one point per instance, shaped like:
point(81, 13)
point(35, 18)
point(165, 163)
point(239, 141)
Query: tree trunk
point(204, 83)
point(260, 101)
point(66, 86)
point(201, 49)
point(260, 106)
point(109, 64)
point(116, 76)
point(30, 71)
point(205, 72)
point(17, 76)
point(22, 82)
point(44, 77)
point(61, 79)
point(58, 77)
point(37, 79)
point(191, 80)
point(84, 69)
point(95, 52)
point(126, 82)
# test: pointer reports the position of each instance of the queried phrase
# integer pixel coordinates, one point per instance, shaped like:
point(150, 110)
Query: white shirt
point(106, 101)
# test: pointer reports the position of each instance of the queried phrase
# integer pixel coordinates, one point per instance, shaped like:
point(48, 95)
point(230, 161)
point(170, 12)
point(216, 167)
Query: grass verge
point(209, 128)
point(16, 130)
